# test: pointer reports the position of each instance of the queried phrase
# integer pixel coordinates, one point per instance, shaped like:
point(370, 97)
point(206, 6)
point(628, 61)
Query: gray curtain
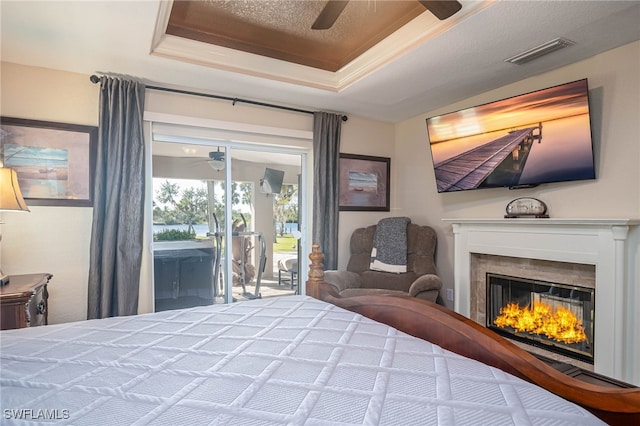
point(116, 236)
point(326, 155)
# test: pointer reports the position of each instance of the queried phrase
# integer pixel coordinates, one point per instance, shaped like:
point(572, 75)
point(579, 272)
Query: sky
point(543, 105)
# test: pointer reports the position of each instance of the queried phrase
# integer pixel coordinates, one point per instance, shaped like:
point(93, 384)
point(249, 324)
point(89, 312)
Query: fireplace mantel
point(609, 244)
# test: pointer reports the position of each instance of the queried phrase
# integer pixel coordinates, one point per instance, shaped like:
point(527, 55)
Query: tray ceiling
point(274, 39)
point(425, 65)
point(282, 29)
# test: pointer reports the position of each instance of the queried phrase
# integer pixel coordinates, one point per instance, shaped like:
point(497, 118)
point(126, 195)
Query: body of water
point(202, 229)
point(563, 153)
point(288, 227)
point(363, 181)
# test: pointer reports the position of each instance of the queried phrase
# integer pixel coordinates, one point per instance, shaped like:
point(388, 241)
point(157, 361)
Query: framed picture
point(364, 183)
point(54, 161)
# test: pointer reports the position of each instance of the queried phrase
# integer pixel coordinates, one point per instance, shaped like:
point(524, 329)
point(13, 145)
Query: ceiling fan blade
point(329, 14)
point(442, 9)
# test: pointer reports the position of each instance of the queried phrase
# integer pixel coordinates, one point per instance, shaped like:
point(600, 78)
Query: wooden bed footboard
point(461, 335)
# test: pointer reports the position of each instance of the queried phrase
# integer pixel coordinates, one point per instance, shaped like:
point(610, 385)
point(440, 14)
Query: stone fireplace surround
point(603, 252)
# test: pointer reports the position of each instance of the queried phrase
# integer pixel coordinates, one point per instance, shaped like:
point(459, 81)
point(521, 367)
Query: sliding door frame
point(265, 139)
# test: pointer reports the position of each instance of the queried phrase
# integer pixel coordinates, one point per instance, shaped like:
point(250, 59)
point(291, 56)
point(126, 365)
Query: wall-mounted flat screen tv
point(272, 181)
point(523, 141)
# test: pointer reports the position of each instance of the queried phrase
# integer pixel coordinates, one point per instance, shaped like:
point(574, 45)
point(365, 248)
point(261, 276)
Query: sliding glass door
point(226, 221)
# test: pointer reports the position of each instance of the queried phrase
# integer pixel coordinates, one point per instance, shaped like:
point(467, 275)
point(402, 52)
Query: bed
point(463, 336)
point(287, 360)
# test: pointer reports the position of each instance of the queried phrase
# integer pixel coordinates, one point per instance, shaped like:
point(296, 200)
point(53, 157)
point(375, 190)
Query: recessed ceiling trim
point(162, 20)
point(282, 29)
point(402, 41)
point(415, 33)
point(223, 58)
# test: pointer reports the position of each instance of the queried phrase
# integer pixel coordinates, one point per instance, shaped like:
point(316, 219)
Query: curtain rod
point(95, 79)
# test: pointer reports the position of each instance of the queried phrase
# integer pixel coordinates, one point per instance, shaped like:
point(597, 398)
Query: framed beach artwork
point(54, 161)
point(364, 183)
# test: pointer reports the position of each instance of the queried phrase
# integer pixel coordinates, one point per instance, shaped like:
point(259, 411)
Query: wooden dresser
point(24, 301)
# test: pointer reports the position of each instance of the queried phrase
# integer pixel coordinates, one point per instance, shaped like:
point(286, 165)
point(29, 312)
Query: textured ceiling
point(282, 29)
point(456, 63)
point(366, 36)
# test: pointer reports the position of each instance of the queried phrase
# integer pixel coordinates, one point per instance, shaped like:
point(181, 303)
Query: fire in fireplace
point(556, 317)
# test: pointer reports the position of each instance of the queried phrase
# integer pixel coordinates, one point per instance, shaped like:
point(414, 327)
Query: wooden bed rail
point(461, 335)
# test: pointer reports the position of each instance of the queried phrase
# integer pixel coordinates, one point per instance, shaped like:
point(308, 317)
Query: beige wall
point(360, 136)
point(56, 239)
point(614, 90)
point(50, 239)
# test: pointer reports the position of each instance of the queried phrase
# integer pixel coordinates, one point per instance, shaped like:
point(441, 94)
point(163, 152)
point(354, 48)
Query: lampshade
point(10, 195)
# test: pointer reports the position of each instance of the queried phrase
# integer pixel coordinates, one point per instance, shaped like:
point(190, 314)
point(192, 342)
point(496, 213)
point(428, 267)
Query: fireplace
point(553, 316)
point(608, 246)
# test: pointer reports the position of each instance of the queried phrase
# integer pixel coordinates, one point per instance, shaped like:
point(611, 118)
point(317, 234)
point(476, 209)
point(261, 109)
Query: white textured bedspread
point(289, 360)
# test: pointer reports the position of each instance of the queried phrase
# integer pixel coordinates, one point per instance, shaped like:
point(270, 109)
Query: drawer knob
point(41, 308)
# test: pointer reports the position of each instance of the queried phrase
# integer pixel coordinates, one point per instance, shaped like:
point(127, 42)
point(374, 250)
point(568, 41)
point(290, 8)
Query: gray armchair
point(420, 280)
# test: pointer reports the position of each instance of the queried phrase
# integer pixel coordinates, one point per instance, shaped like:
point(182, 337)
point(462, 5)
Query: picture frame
point(55, 162)
point(364, 183)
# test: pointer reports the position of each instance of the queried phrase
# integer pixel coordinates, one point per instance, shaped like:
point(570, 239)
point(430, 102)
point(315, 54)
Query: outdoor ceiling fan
point(216, 160)
point(442, 9)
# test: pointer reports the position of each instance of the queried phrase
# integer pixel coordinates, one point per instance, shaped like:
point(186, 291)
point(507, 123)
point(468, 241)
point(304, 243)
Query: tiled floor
point(268, 284)
point(268, 288)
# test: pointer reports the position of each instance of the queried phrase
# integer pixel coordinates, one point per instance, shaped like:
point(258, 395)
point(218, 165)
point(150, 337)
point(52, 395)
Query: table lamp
point(10, 200)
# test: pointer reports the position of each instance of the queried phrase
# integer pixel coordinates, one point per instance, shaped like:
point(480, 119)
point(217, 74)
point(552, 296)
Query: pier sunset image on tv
point(538, 137)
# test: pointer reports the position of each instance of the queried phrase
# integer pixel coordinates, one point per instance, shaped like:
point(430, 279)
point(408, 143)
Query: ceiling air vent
point(538, 51)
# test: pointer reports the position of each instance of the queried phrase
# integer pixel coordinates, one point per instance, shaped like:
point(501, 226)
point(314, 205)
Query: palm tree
point(285, 205)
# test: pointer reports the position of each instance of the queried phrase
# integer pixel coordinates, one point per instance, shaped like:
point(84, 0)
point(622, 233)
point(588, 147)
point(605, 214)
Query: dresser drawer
point(24, 301)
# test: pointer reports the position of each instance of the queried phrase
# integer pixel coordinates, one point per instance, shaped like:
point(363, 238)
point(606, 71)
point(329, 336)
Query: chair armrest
point(425, 282)
point(342, 280)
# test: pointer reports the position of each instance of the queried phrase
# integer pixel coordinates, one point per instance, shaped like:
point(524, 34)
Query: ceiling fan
point(442, 9)
point(216, 160)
